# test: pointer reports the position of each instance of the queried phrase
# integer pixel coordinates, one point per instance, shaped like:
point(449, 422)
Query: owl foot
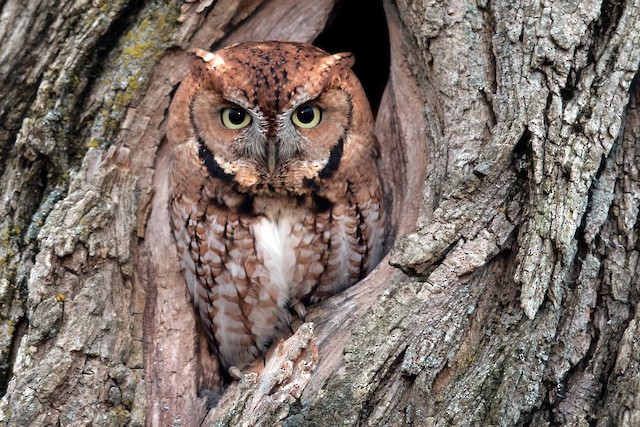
point(300, 309)
point(290, 326)
point(234, 372)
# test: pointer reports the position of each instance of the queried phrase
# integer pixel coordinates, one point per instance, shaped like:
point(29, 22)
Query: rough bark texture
point(509, 146)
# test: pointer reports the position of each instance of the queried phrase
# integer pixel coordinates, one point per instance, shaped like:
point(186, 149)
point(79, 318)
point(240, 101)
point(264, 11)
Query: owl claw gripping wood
point(276, 196)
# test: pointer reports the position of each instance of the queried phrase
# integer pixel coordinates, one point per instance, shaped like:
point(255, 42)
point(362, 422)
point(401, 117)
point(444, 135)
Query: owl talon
point(235, 373)
point(300, 309)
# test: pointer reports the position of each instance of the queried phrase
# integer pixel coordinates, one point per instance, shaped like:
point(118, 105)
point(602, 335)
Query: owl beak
point(272, 155)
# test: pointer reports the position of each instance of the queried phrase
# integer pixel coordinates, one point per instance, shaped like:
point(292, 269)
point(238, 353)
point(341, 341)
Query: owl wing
point(355, 237)
point(184, 214)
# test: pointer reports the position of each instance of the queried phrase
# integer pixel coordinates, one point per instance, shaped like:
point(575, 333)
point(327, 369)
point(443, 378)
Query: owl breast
point(276, 197)
point(244, 270)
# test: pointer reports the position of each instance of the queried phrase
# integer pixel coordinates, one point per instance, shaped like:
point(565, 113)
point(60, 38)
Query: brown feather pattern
point(251, 241)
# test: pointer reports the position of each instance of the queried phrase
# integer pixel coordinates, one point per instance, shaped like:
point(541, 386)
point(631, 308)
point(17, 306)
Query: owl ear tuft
point(202, 61)
point(343, 60)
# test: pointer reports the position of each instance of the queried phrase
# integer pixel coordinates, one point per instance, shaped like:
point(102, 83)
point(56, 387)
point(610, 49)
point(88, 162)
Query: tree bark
point(510, 160)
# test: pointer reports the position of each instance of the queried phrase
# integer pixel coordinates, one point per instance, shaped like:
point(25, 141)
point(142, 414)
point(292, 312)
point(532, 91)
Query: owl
point(276, 199)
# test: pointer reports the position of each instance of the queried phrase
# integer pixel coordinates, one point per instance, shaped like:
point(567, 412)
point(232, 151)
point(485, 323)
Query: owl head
point(274, 117)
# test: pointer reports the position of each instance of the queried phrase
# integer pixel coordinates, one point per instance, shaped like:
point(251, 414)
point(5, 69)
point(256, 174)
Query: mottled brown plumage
point(271, 206)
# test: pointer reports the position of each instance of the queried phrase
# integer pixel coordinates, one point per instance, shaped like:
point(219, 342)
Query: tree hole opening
point(366, 36)
point(360, 27)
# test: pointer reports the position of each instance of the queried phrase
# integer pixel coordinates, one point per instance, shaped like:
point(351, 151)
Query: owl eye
point(235, 118)
point(307, 116)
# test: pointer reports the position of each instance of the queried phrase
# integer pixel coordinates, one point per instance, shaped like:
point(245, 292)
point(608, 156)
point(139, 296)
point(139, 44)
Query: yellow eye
point(235, 118)
point(307, 116)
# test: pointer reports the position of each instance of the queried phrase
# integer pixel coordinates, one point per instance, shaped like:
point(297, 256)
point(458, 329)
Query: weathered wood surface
point(509, 143)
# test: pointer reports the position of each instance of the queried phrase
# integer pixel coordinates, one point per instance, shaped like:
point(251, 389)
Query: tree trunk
point(510, 161)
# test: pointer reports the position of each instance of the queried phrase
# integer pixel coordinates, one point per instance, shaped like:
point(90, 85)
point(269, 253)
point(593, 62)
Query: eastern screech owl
point(276, 197)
